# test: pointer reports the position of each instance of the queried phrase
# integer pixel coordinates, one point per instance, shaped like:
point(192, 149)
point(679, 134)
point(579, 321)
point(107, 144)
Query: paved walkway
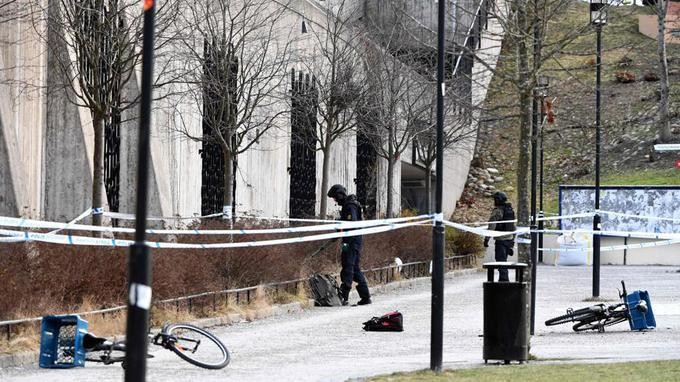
point(328, 344)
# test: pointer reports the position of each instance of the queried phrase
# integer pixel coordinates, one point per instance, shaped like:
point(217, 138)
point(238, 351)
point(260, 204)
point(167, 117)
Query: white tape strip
point(122, 216)
point(613, 247)
point(493, 222)
point(486, 232)
point(84, 240)
point(140, 296)
point(564, 217)
point(637, 216)
point(28, 223)
point(639, 235)
point(80, 217)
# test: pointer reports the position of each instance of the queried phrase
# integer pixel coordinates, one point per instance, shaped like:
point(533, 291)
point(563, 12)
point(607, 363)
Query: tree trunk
point(98, 168)
point(428, 187)
point(390, 177)
point(664, 128)
point(525, 128)
point(325, 173)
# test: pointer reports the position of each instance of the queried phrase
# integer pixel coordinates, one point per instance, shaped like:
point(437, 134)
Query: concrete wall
point(22, 117)
point(648, 24)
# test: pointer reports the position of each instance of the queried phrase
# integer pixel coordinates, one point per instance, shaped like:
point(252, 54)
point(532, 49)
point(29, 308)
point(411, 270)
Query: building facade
point(47, 139)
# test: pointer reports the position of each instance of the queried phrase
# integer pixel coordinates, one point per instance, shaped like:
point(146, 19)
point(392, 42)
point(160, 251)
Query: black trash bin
point(506, 333)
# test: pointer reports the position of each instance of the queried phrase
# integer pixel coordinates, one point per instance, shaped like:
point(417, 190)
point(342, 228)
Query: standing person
point(351, 247)
point(502, 212)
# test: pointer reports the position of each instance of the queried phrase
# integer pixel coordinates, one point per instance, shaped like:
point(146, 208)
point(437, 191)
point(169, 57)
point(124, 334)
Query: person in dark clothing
point(351, 247)
point(504, 214)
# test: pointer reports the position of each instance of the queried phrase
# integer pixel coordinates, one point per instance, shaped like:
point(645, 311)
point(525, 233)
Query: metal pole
point(436, 343)
point(540, 182)
point(596, 218)
point(139, 261)
point(534, 164)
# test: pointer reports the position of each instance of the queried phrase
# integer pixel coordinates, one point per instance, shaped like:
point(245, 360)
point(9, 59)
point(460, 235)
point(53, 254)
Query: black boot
point(344, 296)
point(365, 301)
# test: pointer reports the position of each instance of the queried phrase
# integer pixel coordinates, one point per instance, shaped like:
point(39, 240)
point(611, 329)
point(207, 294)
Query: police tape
point(80, 217)
point(558, 217)
point(35, 224)
point(123, 216)
point(104, 242)
point(625, 234)
point(485, 232)
point(564, 217)
point(610, 248)
point(645, 217)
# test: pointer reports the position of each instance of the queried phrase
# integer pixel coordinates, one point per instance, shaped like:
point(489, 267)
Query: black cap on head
point(337, 191)
point(499, 198)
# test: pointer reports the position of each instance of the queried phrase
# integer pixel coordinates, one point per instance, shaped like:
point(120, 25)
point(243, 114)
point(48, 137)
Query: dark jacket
point(501, 213)
point(351, 211)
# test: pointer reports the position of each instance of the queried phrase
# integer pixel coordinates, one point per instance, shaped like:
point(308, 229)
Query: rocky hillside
point(629, 109)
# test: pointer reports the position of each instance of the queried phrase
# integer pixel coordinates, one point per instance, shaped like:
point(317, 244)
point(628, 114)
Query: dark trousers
point(351, 271)
point(503, 249)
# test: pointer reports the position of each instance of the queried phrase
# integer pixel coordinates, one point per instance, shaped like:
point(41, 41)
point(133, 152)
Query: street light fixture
point(598, 18)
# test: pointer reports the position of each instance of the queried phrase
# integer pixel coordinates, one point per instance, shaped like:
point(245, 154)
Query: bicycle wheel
point(585, 314)
point(596, 325)
point(197, 346)
point(107, 354)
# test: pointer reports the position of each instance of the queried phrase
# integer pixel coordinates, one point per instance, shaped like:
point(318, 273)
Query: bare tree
point(236, 53)
point(660, 8)
point(339, 80)
point(458, 131)
point(96, 49)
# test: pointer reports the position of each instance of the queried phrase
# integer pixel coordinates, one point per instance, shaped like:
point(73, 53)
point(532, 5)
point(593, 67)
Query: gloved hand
point(486, 242)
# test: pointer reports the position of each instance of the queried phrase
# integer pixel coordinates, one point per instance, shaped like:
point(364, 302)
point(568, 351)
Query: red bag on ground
point(389, 322)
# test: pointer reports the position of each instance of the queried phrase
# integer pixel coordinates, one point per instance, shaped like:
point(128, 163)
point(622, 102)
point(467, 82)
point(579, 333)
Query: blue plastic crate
point(61, 341)
point(639, 320)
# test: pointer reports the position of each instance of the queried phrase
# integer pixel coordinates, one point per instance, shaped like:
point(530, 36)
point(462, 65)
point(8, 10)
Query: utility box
point(506, 329)
point(61, 341)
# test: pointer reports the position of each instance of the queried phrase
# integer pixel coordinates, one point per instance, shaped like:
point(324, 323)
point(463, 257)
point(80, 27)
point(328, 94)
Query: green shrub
point(463, 243)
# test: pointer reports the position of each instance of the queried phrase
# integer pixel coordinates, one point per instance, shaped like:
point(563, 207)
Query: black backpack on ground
point(325, 290)
point(389, 322)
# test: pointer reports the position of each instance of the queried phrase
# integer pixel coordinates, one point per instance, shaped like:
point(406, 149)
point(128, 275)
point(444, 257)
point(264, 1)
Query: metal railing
point(215, 299)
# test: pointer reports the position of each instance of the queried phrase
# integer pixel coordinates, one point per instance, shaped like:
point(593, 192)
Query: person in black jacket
point(351, 247)
point(501, 220)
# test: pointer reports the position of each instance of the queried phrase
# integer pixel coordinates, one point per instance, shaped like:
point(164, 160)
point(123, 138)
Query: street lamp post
point(598, 18)
point(542, 91)
point(539, 91)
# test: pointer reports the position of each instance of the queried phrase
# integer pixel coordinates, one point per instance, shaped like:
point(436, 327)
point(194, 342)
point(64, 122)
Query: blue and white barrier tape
point(122, 216)
point(33, 224)
point(93, 241)
point(613, 247)
point(645, 217)
point(486, 232)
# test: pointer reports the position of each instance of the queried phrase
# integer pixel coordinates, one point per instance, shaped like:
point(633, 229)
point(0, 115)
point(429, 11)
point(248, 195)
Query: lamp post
point(542, 83)
point(598, 18)
point(538, 92)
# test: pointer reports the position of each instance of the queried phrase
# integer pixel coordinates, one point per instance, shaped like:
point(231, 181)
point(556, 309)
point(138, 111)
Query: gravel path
point(328, 344)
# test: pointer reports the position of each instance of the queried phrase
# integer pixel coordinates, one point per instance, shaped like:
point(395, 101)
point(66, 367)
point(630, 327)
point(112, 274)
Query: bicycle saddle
point(91, 341)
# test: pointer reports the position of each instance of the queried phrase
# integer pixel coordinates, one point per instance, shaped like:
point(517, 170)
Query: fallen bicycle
point(636, 308)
